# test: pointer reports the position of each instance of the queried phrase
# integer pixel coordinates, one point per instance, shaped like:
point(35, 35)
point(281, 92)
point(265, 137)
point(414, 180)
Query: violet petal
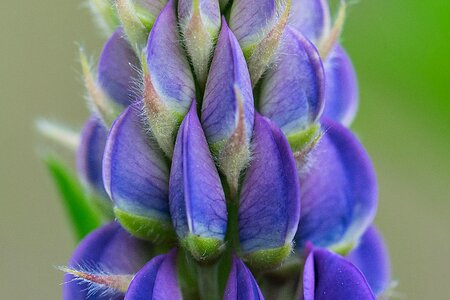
point(156, 280)
point(292, 93)
point(170, 75)
point(339, 191)
point(228, 84)
point(118, 69)
point(135, 171)
point(90, 155)
point(328, 276)
point(109, 248)
point(197, 200)
point(310, 17)
point(372, 258)
point(241, 283)
point(269, 207)
point(341, 87)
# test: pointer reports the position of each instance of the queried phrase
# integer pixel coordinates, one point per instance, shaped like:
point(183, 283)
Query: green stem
point(233, 228)
point(208, 283)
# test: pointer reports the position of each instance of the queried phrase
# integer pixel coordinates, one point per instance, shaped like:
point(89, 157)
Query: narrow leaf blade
point(84, 216)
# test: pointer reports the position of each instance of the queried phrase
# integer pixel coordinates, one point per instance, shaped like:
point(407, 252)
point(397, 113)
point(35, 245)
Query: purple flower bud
point(226, 145)
point(118, 69)
point(90, 155)
point(228, 109)
point(310, 17)
point(156, 280)
point(341, 93)
point(339, 191)
point(168, 82)
point(241, 283)
point(269, 205)
point(292, 92)
point(258, 26)
point(136, 176)
point(197, 200)
point(329, 276)
point(372, 258)
point(200, 24)
point(103, 264)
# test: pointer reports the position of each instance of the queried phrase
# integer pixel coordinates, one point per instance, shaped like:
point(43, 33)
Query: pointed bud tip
point(99, 280)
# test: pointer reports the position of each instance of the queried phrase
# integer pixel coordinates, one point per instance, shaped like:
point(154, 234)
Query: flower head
point(219, 140)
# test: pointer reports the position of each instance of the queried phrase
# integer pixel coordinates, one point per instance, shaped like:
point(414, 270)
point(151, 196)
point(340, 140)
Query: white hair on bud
point(99, 278)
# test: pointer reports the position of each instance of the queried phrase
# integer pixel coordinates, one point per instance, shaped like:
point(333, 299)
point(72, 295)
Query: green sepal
point(204, 250)
point(82, 211)
point(268, 259)
point(156, 231)
point(135, 30)
point(299, 140)
point(343, 248)
point(146, 17)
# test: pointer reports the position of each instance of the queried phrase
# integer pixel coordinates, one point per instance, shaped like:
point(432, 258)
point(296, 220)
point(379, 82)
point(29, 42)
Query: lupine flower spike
point(217, 162)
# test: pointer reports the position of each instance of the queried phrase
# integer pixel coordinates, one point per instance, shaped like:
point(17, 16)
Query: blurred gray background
point(401, 52)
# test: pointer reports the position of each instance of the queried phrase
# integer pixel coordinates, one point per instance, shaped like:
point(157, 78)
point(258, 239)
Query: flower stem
point(208, 282)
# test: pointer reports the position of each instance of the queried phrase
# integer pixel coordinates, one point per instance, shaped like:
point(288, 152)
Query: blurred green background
point(401, 51)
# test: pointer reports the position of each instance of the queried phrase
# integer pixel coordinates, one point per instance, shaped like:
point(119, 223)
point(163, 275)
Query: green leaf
point(83, 213)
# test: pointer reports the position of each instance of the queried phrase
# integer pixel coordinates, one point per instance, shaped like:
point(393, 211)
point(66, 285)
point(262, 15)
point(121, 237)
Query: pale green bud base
point(299, 140)
point(343, 248)
point(267, 259)
point(156, 231)
point(204, 250)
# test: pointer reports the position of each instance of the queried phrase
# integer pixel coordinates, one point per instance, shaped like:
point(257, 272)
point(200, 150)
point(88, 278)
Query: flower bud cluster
point(219, 138)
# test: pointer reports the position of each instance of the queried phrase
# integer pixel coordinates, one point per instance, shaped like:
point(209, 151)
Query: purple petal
point(241, 283)
point(197, 200)
point(329, 276)
point(372, 258)
point(118, 69)
point(293, 90)
point(258, 26)
point(90, 155)
point(228, 85)
point(269, 207)
point(135, 171)
point(310, 17)
point(170, 75)
point(110, 248)
point(339, 191)
point(250, 20)
point(341, 92)
point(156, 280)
